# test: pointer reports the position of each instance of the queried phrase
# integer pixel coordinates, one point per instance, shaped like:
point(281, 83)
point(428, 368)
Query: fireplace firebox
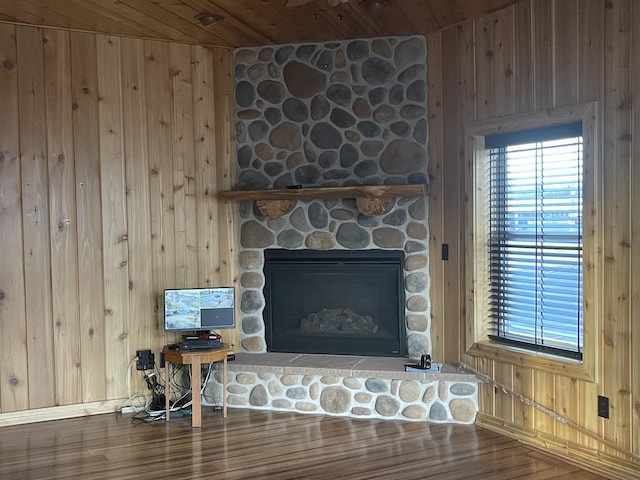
point(348, 302)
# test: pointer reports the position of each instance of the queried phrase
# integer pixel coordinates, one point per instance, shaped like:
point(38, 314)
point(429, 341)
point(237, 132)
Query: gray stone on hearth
point(252, 344)
point(409, 391)
point(304, 52)
point(438, 412)
point(417, 178)
point(368, 222)
point(387, 406)
point(302, 80)
point(416, 282)
point(245, 208)
point(420, 131)
point(462, 389)
point(324, 135)
point(335, 399)
point(290, 239)
point(298, 220)
point(305, 130)
point(381, 47)
point(463, 409)
point(307, 175)
point(249, 114)
point(273, 70)
point(361, 411)
point(396, 218)
point(349, 202)
point(403, 157)
point(418, 209)
point(287, 136)
point(414, 411)
point(258, 396)
point(283, 53)
point(241, 132)
point(416, 303)
point(368, 129)
point(258, 129)
point(251, 280)
point(417, 231)
point(295, 110)
point(245, 55)
point(411, 73)
point(320, 241)
point(417, 344)
point(245, 93)
point(253, 180)
point(255, 72)
point(251, 301)
point(327, 159)
point(357, 50)
point(264, 151)
point(309, 152)
point(250, 259)
point(352, 136)
point(252, 324)
point(342, 214)
point(376, 385)
point(240, 71)
point(417, 323)
point(296, 393)
point(409, 51)
point(384, 113)
point(351, 235)
point(256, 164)
point(336, 174)
point(277, 224)
point(388, 238)
point(244, 156)
point(401, 128)
point(318, 216)
point(415, 262)
point(366, 168)
point(342, 118)
point(325, 61)
point(273, 115)
point(273, 168)
point(412, 112)
point(376, 71)
point(320, 107)
point(283, 181)
point(348, 155)
point(340, 94)
point(339, 77)
point(254, 235)
point(265, 54)
point(416, 92)
point(377, 95)
point(412, 246)
point(396, 95)
point(361, 108)
point(371, 148)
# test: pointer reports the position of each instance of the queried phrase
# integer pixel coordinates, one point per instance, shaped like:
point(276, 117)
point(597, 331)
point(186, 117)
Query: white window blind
point(535, 238)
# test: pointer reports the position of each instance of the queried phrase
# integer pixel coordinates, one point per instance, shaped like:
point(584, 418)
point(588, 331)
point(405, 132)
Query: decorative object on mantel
point(371, 199)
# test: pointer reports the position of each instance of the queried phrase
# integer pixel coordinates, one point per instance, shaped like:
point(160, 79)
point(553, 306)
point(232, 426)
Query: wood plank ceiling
point(247, 22)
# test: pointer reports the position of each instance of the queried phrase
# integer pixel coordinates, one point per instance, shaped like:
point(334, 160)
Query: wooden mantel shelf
point(371, 199)
point(358, 191)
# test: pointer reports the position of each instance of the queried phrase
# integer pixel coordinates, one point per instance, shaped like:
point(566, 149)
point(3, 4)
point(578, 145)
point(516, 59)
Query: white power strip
point(126, 410)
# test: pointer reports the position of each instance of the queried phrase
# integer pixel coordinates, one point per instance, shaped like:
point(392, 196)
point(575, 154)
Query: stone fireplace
point(333, 114)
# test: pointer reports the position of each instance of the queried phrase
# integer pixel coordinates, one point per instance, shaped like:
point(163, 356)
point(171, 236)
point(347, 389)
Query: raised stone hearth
point(363, 387)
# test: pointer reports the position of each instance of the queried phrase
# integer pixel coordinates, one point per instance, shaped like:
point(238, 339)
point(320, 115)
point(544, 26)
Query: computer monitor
point(199, 309)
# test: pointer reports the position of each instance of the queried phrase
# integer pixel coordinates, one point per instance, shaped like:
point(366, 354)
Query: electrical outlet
point(603, 406)
point(144, 360)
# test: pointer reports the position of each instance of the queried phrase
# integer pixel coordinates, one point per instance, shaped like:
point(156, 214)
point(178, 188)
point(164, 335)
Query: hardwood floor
point(252, 444)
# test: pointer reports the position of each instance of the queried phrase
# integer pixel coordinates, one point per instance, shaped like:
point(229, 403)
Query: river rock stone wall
point(333, 114)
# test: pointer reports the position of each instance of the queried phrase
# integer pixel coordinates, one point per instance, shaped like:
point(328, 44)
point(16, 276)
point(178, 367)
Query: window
point(535, 238)
point(531, 252)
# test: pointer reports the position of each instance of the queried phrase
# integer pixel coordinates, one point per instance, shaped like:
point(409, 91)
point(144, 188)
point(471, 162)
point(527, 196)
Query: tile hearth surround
point(336, 114)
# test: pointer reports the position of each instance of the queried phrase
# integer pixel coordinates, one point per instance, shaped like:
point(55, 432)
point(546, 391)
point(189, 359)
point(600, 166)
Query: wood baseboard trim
point(61, 412)
point(587, 458)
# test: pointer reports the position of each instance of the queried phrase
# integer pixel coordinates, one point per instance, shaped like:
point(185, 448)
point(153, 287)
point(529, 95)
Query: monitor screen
point(193, 309)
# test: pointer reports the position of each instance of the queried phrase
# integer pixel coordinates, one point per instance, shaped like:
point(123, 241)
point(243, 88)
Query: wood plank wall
point(111, 154)
point(534, 55)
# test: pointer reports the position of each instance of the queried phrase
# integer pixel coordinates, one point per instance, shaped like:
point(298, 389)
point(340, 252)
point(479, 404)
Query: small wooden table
point(195, 358)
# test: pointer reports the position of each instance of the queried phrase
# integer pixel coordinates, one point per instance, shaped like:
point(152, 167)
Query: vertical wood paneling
point(542, 34)
point(35, 219)
point(144, 329)
point(616, 334)
point(523, 57)
point(86, 145)
point(64, 247)
point(635, 235)
point(13, 356)
point(565, 36)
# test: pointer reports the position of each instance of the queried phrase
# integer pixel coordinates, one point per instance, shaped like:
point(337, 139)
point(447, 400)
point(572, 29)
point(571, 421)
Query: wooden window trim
point(476, 256)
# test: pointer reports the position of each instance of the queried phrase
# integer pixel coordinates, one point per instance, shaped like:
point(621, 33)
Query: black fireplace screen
point(348, 302)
